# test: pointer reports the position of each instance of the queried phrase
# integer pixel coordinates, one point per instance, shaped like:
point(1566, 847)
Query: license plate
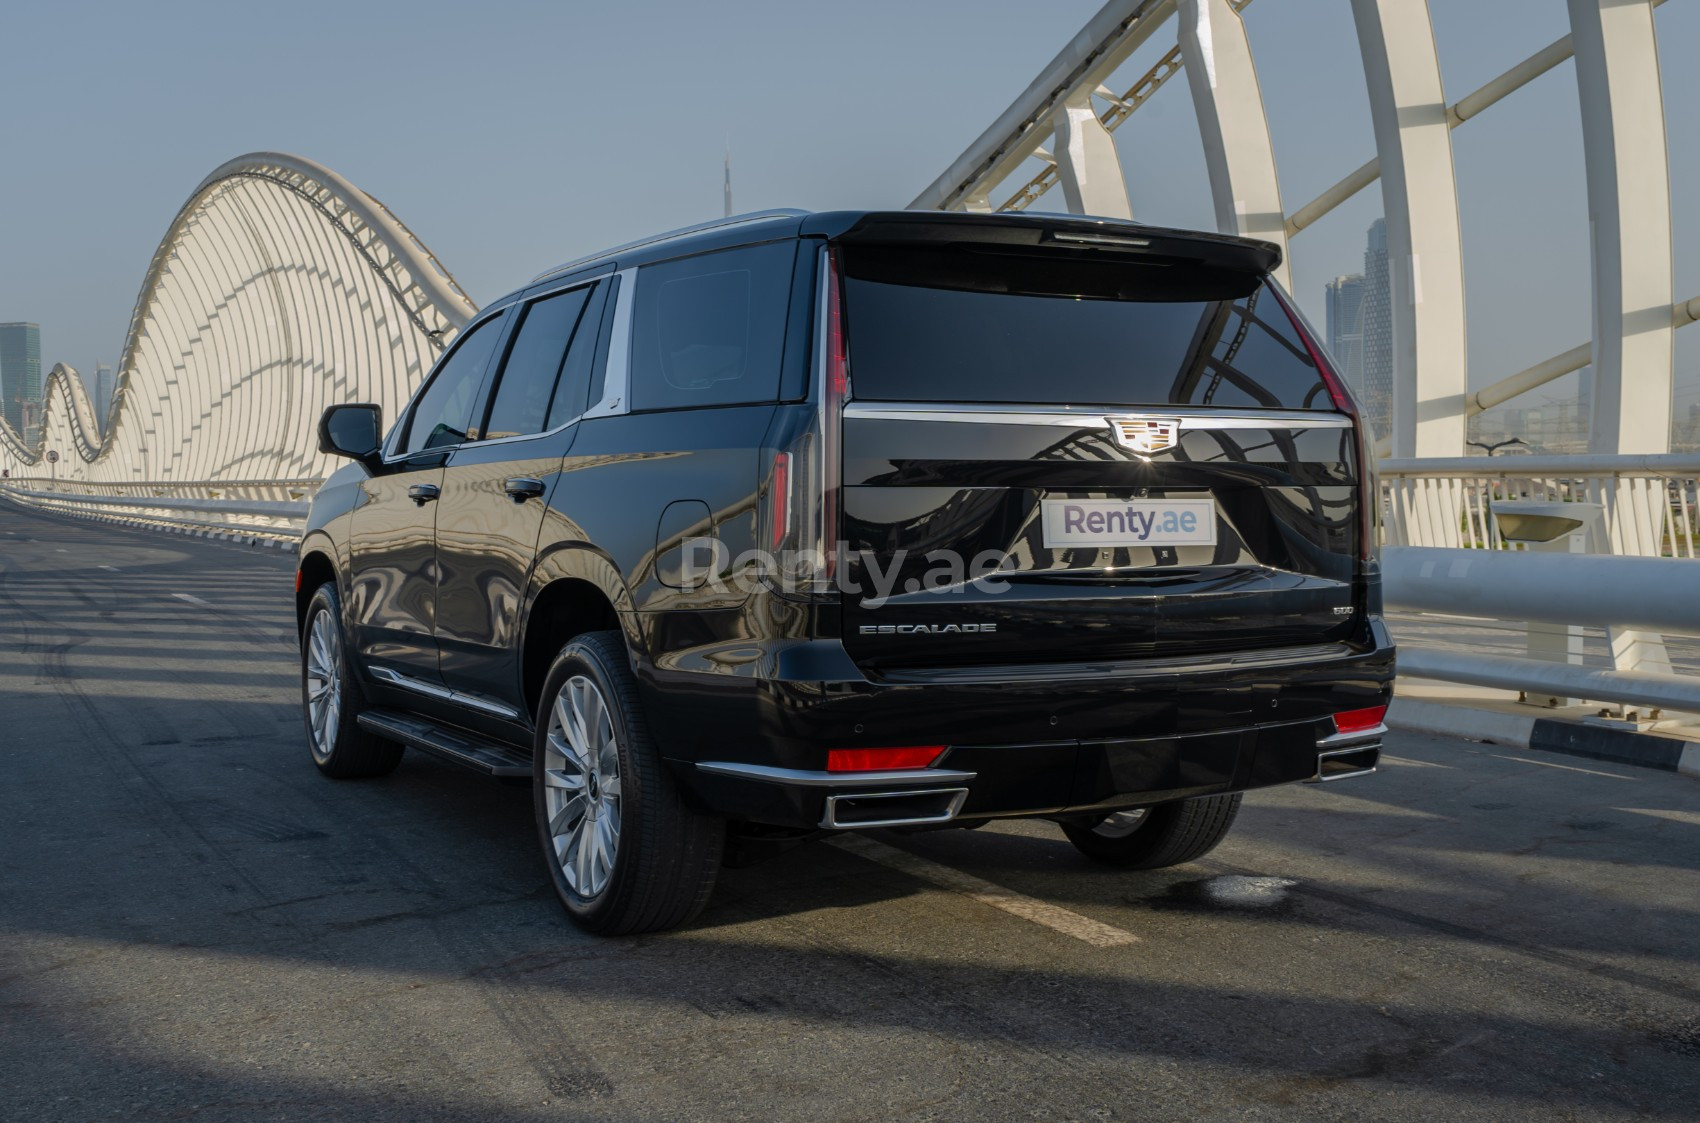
point(1128, 522)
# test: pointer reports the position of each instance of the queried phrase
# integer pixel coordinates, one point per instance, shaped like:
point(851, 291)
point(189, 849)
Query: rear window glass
point(997, 327)
point(710, 330)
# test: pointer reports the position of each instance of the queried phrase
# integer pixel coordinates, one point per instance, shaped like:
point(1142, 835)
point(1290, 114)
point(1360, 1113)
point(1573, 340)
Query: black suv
point(797, 523)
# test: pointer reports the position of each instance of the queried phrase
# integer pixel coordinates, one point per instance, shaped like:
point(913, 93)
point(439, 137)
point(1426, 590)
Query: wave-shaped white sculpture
point(280, 289)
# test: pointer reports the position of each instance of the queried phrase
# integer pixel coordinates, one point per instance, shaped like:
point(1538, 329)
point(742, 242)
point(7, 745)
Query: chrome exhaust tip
point(913, 808)
point(1342, 764)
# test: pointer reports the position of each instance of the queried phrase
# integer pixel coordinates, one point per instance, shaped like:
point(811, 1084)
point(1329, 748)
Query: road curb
point(1571, 738)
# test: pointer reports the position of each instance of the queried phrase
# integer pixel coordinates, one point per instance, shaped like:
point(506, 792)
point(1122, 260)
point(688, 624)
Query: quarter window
point(710, 330)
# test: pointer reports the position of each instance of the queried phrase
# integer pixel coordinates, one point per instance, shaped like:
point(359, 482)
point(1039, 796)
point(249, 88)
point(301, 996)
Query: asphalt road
point(196, 925)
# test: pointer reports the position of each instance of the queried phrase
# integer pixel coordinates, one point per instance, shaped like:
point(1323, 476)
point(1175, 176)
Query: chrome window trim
point(443, 693)
point(617, 377)
point(1085, 417)
point(804, 778)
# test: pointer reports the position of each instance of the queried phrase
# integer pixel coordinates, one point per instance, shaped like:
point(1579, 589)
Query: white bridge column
point(1623, 143)
point(1629, 213)
point(1229, 102)
point(1420, 198)
point(1087, 166)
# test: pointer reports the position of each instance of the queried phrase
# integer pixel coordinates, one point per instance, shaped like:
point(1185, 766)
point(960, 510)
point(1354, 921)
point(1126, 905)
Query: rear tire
point(331, 701)
point(624, 853)
point(1165, 835)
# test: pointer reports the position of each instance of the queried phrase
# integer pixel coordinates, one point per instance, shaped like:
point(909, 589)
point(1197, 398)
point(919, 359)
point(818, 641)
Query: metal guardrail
point(1629, 570)
point(1448, 502)
point(274, 508)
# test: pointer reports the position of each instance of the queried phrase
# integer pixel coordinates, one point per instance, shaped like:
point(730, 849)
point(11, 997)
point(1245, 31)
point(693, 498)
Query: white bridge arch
point(279, 289)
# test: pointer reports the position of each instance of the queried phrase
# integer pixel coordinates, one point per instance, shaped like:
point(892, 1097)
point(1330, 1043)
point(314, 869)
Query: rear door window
point(1008, 328)
point(531, 377)
point(710, 330)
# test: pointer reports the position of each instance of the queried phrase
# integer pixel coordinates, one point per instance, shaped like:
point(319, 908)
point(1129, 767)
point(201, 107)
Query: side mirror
point(354, 431)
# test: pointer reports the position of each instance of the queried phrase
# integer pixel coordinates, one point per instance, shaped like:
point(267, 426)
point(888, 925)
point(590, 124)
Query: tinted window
point(710, 330)
point(571, 390)
point(530, 375)
point(443, 413)
point(1007, 328)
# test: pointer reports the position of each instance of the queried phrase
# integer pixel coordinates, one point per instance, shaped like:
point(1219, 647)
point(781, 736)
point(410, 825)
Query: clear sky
point(512, 136)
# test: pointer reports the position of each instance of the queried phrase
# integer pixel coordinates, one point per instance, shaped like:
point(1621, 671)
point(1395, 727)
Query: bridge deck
point(196, 924)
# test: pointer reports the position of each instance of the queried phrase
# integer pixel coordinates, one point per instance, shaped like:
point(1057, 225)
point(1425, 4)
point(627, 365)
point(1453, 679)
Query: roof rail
point(713, 224)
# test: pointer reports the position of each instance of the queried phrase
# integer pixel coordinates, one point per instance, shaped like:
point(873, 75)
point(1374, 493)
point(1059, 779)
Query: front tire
point(331, 701)
point(1154, 837)
point(624, 853)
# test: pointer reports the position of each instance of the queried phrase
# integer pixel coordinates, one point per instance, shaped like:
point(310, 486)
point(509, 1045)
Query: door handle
point(521, 488)
point(422, 494)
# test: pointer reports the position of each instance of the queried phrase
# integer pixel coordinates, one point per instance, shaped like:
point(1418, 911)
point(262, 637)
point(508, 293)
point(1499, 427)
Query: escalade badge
point(1146, 435)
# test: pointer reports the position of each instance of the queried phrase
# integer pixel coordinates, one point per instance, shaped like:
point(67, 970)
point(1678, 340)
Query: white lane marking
point(1692, 818)
point(1082, 928)
point(192, 599)
point(1391, 759)
point(1566, 767)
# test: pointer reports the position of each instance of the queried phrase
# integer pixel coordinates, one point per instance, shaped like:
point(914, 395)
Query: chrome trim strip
point(806, 779)
point(829, 818)
point(1092, 417)
point(406, 682)
point(478, 702)
point(1356, 737)
point(617, 380)
point(443, 693)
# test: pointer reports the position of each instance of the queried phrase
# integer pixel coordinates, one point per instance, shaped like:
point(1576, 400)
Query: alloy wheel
point(324, 682)
point(581, 777)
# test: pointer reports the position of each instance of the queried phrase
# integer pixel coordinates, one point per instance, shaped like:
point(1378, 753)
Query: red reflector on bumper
point(1357, 721)
point(877, 760)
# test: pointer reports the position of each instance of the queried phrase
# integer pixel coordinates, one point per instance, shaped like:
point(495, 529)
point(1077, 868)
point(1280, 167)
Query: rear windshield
point(983, 325)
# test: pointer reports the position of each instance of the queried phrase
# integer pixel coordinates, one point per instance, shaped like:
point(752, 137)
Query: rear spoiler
point(1041, 231)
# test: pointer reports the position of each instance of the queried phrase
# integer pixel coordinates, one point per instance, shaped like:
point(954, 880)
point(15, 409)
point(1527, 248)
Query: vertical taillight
point(1369, 499)
point(835, 387)
point(802, 485)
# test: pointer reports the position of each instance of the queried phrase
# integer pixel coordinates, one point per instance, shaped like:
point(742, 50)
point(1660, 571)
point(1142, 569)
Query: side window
point(571, 392)
point(534, 364)
point(710, 330)
point(443, 413)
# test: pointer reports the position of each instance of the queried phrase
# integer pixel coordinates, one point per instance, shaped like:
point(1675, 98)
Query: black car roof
point(916, 226)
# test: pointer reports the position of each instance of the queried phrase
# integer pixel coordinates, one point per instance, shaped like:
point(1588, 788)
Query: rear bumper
point(1018, 745)
point(1060, 778)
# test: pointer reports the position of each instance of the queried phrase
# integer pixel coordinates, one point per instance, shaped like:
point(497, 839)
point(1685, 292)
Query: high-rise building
point(1378, 331)
point(102, 387)
point(1346, 328)
point(20, 373)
